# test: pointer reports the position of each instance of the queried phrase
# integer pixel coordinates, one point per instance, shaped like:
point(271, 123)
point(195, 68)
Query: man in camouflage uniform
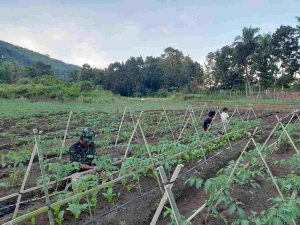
point(84, 151)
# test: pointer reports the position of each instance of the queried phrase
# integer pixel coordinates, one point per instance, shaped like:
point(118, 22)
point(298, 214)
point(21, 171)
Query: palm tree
point(245, 45)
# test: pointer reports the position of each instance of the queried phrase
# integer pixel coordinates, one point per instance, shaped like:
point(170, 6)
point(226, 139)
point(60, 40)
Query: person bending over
point(84, 151)
point(208, 120)
point(224, 118)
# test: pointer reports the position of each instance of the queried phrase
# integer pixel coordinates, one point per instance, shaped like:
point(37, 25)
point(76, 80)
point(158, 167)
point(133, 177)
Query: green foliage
point(104, 162)
point(169, 212)
point(58, 214)
point(30, 58)
point(59, 170)
point(293, 161)
point(76, 209)
point(282, 212)
point(50, 87)
point(289, 183)
point(195, 181)
point(109, 194)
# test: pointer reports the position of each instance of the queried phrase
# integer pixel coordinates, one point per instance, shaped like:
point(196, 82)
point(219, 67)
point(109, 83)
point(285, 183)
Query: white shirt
point(224, 117)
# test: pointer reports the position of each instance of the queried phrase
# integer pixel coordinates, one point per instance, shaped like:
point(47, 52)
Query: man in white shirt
point(224, 118)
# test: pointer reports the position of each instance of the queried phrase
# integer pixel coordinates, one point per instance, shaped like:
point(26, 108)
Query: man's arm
point(89, 158)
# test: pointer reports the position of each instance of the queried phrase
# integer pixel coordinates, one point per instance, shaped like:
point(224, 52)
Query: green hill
point(28, 57)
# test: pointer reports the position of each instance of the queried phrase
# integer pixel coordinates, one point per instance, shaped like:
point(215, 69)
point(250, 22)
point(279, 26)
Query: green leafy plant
point(58, 214)
point(33, 221)
point(110, 195)
point(284, 211)
point(195, 181)
point(169, 212)
point(76, 209)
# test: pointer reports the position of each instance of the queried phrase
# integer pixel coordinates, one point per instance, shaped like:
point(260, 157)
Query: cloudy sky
point(99, 32)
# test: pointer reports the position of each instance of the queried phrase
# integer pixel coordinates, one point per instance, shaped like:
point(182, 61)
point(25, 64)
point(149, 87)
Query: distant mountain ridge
point(28, 57)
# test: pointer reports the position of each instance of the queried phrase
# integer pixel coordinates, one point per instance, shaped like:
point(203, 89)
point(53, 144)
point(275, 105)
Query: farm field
point(249, 173)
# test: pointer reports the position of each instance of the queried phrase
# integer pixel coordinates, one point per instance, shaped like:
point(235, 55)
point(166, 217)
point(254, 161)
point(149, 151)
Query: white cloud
point(62, 41)
point(86, 53)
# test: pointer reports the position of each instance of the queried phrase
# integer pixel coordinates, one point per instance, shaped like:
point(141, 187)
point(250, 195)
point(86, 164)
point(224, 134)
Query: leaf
point(231, 209)
point(277, 221)
point(245, 222)
point(241, 212)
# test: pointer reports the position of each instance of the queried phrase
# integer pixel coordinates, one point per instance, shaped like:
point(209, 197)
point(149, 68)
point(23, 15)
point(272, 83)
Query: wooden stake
point(41, 162)
point(170, 196)
point(131, 137)
point(120, 126)
point(161, 116)
point(24, 181)
point(65, 135)
point(149, 153)
point(165, 197)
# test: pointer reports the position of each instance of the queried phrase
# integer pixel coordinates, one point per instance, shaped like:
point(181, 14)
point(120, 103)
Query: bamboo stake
point(159, 121)
point(41, 162)
point(150, 155)
point(186, 112)
point(120, 126)
point(55, 182)
point(170, 195)
point(229, 178)
point(66, 131)
point(232, 114)
point(131, 137)
point(239, 113)
point(212, 121)
point(24, 181)
point(69, 199)
point(200, 209)
point(183, 128)
point(254, 113)
point(289, 137)
point(65, 135)
point(169, 125)
point(68, 177)
point(165, 197)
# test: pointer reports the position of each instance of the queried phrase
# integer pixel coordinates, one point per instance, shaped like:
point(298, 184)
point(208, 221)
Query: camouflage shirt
point(82, 154)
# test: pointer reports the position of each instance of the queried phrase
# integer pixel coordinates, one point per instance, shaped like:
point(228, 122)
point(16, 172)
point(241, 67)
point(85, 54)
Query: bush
point(57, 89)
point(86, 86)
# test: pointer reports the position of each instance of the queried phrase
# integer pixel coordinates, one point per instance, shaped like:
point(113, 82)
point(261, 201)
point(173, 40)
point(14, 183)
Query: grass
point(20, 107)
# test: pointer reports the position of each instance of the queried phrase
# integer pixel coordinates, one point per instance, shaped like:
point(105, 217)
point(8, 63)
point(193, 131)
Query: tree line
point(252, 61)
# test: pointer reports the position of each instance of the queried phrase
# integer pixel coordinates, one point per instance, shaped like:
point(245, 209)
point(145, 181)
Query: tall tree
point(264, 66)
point(134, 79)
point(153, 74)
point(223, 70)
point(245, 45)
point(39, 69)
point(11, 71)
point(87, 73)
point(171, 63)
point(115, 79)
point(285, 47)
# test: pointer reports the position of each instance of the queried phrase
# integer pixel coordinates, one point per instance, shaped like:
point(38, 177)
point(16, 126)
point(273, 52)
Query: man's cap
point(87, 135)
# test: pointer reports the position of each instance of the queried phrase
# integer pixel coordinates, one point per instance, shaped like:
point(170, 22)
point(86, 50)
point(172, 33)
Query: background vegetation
point(253, 61)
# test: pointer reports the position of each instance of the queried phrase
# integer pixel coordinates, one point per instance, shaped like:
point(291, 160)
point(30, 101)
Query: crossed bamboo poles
point(176, 214)
point(64, 140)
point(136, 125)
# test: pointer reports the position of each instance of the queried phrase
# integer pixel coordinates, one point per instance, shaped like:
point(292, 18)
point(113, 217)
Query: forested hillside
point(9, 52)
point(253, 61)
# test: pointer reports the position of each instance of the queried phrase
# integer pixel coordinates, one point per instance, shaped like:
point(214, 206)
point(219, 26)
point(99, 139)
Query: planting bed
point(134, 200)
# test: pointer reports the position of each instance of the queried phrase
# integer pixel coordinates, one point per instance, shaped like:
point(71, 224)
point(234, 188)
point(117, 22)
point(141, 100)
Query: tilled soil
point(141, 211)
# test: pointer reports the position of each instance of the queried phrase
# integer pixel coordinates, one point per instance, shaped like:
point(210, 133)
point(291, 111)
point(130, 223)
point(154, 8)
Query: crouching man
point(84, 151)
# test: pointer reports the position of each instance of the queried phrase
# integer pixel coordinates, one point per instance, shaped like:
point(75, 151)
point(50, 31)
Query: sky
point(99, 32)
